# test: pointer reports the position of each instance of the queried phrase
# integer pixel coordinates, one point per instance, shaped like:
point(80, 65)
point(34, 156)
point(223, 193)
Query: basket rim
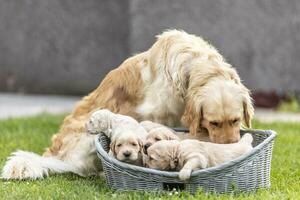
point(271, 136)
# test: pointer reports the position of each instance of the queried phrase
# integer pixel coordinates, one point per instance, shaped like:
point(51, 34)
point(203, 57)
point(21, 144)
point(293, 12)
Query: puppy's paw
point(185, 174)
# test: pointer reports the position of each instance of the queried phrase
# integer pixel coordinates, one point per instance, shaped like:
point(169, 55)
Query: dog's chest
point(161, 103)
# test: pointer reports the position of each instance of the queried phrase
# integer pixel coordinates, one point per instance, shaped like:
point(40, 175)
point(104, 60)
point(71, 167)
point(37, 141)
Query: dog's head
point(220, 106)
point(162, 155)
point(158, 134)
point(127, 147)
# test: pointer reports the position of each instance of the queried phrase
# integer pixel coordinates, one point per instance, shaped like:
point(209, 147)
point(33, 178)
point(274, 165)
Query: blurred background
point(65, 47)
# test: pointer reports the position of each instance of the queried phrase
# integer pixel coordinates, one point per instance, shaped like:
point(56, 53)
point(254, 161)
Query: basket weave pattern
point(246, 173)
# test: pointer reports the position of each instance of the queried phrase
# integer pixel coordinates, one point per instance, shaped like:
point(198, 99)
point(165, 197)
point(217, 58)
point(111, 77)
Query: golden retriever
point(126, 134)
point(189, 155)
point(180, 78)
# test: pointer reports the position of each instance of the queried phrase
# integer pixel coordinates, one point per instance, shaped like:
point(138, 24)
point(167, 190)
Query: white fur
point(161, 104)
point(81, 160)
point(120, 128)
point(113, 124)
point(22, 164)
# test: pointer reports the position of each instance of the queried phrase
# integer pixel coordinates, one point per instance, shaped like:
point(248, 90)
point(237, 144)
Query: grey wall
point(67, 46)
point(60, 46)
point(261, 38)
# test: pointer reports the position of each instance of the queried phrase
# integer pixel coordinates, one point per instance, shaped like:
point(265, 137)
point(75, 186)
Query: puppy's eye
point(215, 123)
point(119, 145)
point(157, 139)
point(134, 144)
point(151, 158)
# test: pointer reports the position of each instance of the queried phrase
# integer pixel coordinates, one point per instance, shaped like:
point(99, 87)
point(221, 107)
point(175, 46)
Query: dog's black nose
point(127, 153)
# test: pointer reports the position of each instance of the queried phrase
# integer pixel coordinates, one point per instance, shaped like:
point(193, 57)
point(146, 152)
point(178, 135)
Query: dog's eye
point(134, 144)
point(119, 145)
point(157, 139)
point(214, 123)
point(235, 121)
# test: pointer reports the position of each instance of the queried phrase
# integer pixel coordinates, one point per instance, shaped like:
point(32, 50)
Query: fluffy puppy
point(157, 132)
point(189, 155)
point(126, 134)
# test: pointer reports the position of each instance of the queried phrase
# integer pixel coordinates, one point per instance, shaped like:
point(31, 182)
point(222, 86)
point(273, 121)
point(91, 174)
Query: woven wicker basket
point(246, 173)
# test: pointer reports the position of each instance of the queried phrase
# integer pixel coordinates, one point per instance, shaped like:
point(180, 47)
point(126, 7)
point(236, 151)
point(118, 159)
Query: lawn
point(34, 134)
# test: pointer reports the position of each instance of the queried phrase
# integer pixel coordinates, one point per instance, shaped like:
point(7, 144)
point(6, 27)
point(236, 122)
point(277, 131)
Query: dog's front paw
point(185, 174)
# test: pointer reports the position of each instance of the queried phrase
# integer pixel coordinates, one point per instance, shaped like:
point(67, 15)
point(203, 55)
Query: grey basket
point(246, 173)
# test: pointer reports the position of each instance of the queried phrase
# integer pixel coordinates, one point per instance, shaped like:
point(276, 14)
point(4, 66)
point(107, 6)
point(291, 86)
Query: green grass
point(293, 105)
point(34, 134)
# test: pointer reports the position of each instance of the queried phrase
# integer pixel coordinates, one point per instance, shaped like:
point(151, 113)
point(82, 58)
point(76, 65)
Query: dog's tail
point(28, 165)
point(246, 139)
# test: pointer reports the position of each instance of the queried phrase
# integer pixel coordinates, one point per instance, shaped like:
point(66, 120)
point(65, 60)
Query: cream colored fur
point(189, 155)
point(126, 134)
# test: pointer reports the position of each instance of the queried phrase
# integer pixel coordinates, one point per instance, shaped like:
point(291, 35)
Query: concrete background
point(60, 46)
point(66, 47)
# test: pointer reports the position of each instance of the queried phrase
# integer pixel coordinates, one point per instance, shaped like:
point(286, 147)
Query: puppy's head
point(158, 134)
point(99, 120)
point(220, 107)
point(162, 155)
point(127, 147)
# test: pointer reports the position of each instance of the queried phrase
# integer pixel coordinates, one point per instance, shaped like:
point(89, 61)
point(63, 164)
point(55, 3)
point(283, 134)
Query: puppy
point(157, 132)
point(126, 134)
point(189, 155)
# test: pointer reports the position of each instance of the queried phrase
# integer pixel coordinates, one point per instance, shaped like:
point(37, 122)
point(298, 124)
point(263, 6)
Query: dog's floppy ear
point(248, 109)
point(192, 116)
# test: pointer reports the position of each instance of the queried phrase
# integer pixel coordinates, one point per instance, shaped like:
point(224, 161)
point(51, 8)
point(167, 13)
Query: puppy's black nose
point(127, 153)
point(146, 146)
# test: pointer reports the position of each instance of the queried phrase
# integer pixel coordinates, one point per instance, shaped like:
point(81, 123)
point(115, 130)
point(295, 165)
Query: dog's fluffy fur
point(126, 134)
point(180, 77)
point(189, 155)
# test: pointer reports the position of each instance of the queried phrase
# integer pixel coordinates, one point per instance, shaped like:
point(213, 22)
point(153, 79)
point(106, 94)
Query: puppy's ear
point(172, 136)
point(113, 148)
point(248, 109)
point(141, 144)
point(192, 116)
point(174, 157)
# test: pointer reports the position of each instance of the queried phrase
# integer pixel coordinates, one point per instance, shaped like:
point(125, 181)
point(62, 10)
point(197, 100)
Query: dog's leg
point(198, 161)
